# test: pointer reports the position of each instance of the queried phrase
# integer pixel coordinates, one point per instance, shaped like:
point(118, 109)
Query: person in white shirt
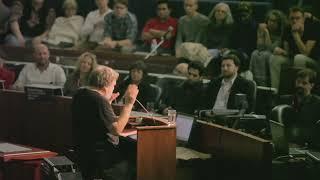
point(40, 72)
point(93, 28)
point(65, 32)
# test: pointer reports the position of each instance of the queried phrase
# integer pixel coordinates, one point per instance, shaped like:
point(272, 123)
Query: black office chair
point(156, 93)
point(282, 113)
point(253, 85)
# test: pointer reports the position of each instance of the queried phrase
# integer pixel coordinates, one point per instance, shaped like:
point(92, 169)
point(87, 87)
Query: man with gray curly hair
point(95, 126)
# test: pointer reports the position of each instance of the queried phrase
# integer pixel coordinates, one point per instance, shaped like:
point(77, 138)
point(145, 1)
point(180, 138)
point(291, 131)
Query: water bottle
point(154, 46)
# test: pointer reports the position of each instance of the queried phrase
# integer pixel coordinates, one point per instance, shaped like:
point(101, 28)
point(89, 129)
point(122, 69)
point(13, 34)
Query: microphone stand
point(154, 49)
point(145, 109)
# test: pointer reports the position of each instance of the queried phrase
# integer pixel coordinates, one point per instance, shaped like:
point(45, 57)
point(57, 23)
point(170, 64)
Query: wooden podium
point(24, 164)
point(156, 149)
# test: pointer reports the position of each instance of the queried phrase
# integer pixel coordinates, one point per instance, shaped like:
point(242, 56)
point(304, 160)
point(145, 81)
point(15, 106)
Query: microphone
point(145, 109)
point(170, 29)
point(205, 113)
point(153, 50)
point(241, 103)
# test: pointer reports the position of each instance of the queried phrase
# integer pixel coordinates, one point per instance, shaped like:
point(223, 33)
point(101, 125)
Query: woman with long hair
point(85, 64)
point(269, 36)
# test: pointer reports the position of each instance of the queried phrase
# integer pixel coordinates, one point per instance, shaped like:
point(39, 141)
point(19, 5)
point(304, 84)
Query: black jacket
point(240, 85)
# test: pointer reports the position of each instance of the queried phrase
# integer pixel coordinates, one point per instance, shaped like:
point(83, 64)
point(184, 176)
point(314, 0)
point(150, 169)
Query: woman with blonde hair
point(86, 63)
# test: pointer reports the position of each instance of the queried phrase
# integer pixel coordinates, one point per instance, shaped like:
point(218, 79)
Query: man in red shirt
point(6, 75)
point(157, 27)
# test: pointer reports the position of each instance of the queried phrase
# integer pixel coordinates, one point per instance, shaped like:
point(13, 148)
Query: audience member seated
point(8, 15)
point(214, 67)
point(4, 19)
point(180, 72)
point(34, 21)
point(96, 129)
point(181, 69)
point(186, 97)
point(220, 28)
point(221, 91)
point(121, 28)
point(93, 27)
point(139, 76)
point(85, 65)
point(42, 71)
point(243, 70)
point(303, 125)
point(164, 26)
point(191, 27)
point(6, 75)
point(65, 32)
point(194, 52)
point(269, 36)
point(244, 35)
point(300, 45)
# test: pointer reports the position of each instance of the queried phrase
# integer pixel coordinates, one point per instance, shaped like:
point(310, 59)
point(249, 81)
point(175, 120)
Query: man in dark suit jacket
point(222, 91)
point(302, 122)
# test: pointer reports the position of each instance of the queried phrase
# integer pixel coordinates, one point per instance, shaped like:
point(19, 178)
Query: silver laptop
point(184, 125)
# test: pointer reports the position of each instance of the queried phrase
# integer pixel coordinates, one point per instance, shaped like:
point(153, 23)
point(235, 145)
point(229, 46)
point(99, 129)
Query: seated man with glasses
point(121, 28)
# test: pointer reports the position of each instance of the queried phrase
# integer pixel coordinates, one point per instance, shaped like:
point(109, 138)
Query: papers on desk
point(134, 114)
point(8, 148)
point(225, 112)
point(187, 154)
point(128, 132)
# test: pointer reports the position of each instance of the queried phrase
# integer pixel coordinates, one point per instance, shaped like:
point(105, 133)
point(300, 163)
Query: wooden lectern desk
point(156, 148)
point(233, 147)
point(24, 164)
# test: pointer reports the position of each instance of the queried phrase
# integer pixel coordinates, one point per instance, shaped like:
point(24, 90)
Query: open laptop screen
point(184, 125)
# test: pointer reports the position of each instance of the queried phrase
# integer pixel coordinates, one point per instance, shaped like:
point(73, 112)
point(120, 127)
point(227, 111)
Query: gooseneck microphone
point(170, 28)
point(145, 109)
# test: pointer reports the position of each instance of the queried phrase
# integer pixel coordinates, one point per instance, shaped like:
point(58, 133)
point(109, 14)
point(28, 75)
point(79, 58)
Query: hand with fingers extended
point(131, 94)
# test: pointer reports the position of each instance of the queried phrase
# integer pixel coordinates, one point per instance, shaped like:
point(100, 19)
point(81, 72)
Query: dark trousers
point(106, 161)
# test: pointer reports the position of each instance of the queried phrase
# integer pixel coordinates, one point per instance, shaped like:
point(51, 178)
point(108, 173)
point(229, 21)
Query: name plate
point(40, 92)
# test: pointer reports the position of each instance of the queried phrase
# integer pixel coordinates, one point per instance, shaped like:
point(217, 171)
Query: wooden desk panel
point(46, 125)
point(156, 154)
point(231, 144)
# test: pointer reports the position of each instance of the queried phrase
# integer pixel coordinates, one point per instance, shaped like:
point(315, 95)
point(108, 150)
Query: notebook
point(184, 125)
point(9, 148)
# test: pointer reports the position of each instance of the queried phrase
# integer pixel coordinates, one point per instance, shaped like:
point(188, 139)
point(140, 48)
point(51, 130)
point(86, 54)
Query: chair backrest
point(157, 92)
point(282, 113)
point(253, 85)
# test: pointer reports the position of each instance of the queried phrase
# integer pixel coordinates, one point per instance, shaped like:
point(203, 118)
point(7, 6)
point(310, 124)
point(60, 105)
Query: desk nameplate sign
point(40, 92)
